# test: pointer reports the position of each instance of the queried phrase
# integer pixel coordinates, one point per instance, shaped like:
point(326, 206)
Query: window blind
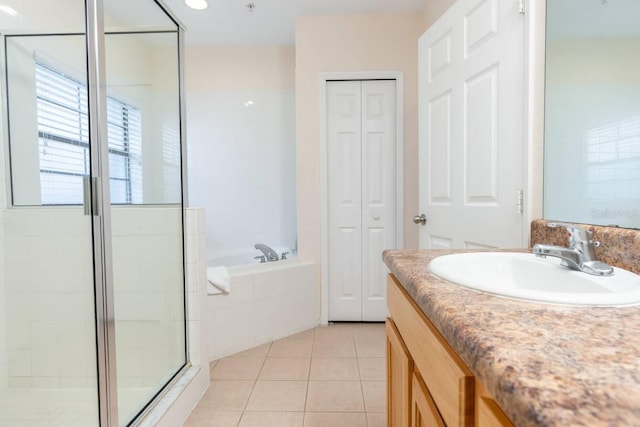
point(63, 138)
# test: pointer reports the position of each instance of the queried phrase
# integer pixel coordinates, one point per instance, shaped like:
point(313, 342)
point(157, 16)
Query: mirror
point(592, 112)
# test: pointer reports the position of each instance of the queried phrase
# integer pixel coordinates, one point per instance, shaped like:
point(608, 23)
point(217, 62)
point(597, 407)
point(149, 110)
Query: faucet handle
point(577, 234)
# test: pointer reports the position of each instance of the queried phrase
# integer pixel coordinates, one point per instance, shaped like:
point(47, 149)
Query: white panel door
point(471, 126)
point(378, 192)
point(361, 195)
point(344, 192)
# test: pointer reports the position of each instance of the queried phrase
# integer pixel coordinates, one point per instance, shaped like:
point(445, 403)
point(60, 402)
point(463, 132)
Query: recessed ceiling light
point(8, 10)
point(197, 4)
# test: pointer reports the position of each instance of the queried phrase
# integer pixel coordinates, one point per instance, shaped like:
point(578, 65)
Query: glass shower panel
point(142, 71)
point(48, 373)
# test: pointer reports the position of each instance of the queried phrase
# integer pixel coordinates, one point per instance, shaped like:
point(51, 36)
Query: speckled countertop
point(546, 365)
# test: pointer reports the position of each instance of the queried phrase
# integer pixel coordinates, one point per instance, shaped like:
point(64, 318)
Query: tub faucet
point(580, 255)
point(269, 253)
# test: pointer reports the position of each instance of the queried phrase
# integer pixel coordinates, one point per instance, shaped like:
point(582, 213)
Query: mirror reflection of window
point(613, 158)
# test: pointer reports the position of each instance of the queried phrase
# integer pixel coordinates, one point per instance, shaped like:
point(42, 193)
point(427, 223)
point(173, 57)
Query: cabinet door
point(424, 412)
point(399, 371)
point(450, 382)
point(488, 413)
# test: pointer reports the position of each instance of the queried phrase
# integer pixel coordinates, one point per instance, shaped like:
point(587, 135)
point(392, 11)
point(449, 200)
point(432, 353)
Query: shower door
point(92, 301)
point(144, 134)
point(50, 316)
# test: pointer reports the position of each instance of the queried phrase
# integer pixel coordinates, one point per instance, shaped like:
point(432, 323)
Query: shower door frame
point(101, 213)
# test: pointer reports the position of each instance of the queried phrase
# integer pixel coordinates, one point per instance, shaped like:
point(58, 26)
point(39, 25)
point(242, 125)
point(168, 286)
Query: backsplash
point(619, 247)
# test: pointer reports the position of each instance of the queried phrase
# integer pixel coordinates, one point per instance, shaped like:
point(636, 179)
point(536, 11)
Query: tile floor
point(329, 376)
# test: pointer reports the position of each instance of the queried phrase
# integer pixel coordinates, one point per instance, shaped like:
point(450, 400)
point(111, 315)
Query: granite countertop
point(546, 365)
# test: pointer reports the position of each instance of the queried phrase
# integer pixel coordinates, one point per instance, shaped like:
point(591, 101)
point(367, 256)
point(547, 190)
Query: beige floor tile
point(331, 348)
point(285, 368)
point(375, 395)
point(278, 396)
point(329, 419)
point(291, 348)
point(334, 368)
point(370, 330)
point(371, 347)
point(272, 419)
point(213, 419)
point(377, 419)
point(372, 368)
point(226, 396)
point(237, 369)
point(212, 365)
point(333, 332)
point(256, 352)
point(334, 396)
point(304, 335)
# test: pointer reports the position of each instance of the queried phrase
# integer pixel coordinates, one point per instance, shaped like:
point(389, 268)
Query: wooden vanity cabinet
point(488, 413)
point(424, 412)
point(399, 372)
point(427, 382)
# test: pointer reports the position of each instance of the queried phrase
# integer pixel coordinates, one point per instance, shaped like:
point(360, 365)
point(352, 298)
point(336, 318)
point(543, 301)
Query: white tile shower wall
point(244, 137)
point(50, 329)
point(196, 284)
point(148, 286)
point(266, 302)
point(4, 356)
point(49, 298)
point(182, 398)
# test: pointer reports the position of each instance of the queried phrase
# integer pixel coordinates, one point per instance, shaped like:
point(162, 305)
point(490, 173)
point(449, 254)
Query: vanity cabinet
point(428, 384)
point(424, 412)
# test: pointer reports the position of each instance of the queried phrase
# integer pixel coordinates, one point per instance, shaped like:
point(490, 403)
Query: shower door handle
point(90, 185)
point(86, 194)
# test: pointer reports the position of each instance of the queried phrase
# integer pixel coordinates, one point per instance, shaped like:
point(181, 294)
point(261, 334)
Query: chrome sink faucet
point(580, 255)
point(269, 253)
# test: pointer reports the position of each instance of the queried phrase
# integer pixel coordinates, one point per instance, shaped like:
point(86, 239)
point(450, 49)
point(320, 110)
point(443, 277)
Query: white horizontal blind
point(63, 133)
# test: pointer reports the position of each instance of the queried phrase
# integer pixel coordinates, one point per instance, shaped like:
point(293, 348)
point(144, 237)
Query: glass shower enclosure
point(92, 294)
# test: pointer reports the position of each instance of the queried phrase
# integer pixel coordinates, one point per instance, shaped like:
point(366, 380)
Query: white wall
point(434, 9)
point(241, 145)
point(343, 43)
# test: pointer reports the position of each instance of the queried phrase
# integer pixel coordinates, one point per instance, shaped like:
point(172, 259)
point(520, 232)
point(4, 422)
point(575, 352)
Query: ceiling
point(229, 22)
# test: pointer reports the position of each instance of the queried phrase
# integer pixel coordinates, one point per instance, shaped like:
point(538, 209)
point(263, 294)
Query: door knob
point(376, 217)
point(420, 219)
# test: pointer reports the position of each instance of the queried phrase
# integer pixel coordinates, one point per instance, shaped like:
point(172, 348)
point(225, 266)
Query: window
point(613, 161)
point(63, 135)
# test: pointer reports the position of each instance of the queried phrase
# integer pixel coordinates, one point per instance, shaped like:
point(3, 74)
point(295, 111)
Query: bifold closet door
point(361, 138)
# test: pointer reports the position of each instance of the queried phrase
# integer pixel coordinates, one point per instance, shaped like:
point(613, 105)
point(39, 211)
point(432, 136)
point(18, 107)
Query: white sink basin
point(525, 276)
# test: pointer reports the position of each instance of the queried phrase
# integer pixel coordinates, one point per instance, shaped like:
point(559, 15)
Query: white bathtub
point(267, 301)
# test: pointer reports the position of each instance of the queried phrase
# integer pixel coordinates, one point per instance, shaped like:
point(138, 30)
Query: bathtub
point(268, 301)
point(247, 257)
